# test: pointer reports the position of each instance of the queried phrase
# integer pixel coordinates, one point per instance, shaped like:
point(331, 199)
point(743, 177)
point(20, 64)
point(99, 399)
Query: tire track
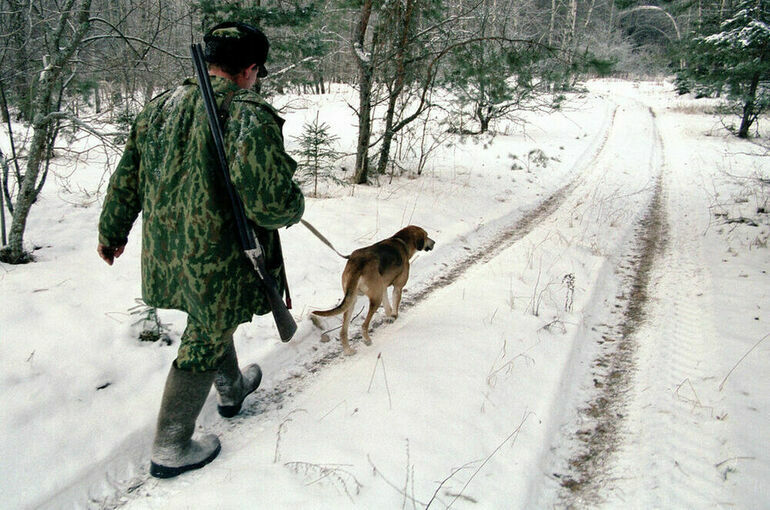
point(600, 431)
point(676, 413)
point(678, 404)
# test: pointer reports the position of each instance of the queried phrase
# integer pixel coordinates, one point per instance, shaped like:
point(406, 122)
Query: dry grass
point(696, 107)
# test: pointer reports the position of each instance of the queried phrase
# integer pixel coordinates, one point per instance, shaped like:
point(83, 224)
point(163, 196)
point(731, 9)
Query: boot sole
point(230, 411)
point(158, 471)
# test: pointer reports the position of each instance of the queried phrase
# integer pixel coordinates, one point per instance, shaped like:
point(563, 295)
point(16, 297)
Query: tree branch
point(137, 39)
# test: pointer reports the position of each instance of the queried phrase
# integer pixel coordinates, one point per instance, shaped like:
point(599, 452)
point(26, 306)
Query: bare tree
point(67, 28)
point(85, 50)
point(403, 15)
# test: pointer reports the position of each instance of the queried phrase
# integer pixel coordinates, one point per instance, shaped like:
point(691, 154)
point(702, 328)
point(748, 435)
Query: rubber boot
point(233, 385)
point(174, 451)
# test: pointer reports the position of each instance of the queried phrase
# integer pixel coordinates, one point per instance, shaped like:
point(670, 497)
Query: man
point(191, 257)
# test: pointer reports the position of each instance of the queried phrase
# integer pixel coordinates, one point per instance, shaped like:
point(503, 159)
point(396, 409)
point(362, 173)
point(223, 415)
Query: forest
point(70, 68)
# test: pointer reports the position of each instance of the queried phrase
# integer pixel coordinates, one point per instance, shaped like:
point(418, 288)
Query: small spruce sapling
point(317, 153)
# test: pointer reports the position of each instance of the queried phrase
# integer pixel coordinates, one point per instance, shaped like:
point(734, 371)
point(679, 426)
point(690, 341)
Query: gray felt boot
point(233, 385)
point(174, 451)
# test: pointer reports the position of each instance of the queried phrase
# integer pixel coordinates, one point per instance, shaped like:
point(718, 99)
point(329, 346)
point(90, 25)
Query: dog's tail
point(348, 301)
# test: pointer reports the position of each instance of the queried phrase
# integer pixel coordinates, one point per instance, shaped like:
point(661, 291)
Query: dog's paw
point(349, 351)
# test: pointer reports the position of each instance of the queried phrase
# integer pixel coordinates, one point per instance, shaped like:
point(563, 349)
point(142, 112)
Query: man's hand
point(110, 253)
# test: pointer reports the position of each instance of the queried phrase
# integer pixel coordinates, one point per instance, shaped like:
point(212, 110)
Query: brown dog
point(371, 271)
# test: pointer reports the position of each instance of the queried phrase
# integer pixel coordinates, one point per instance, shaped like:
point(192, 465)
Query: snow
point(476, 396)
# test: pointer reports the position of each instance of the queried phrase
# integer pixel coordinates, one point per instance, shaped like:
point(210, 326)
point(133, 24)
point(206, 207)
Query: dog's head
point(417, 237)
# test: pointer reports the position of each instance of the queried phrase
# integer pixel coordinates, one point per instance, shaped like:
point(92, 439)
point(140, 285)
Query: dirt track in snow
point(600, 433)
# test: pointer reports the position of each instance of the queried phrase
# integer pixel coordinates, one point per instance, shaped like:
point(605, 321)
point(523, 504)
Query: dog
point(370, 271)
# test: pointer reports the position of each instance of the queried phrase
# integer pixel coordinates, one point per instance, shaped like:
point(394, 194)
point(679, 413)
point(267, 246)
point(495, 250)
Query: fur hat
point(235, 46)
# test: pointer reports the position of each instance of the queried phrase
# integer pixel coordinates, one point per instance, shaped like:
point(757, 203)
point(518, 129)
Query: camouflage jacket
point(191, 256)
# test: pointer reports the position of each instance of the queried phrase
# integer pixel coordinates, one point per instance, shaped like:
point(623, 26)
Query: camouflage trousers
point(203, 349)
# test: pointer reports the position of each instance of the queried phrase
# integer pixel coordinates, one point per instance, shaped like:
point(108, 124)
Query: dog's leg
point(398, 286)
point(396, 300)
point(374, 304)
point(386, 303)
point(344, 332)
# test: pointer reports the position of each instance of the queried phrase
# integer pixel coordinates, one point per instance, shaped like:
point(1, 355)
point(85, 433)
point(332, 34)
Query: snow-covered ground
point(591, 331)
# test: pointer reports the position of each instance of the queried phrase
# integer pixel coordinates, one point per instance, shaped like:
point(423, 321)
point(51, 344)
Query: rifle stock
point(284, 321)
point(253, 251)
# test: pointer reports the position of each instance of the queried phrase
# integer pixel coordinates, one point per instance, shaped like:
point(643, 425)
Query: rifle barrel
point(248, 242)
point(283, 319)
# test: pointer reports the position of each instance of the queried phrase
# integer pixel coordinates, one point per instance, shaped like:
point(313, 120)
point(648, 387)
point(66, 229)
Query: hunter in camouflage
point(191, 256)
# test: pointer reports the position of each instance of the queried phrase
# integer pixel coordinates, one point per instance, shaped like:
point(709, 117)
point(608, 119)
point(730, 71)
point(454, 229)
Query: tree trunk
point(748, 108)
point(570, 36)
point(15, 250)
point(4, 104)
point(365, 75)
point(3, 235)
point(552, 24)
point(405, 23)
point(387, 137)
point(20, 83)
point(484, 115)
point(484, 125)
point(364, 127)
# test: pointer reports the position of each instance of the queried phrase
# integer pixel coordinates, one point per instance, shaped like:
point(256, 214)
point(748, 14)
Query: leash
point(322, 238)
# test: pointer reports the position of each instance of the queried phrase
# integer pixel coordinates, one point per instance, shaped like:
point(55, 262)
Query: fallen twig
point(384, 375)
point(340, 326)
point(332, 410)
point(718, 464)
point(489, 457)
point(740, 360)
point(742, 219)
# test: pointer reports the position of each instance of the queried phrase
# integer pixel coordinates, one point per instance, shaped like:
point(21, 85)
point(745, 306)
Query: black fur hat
point(235, 46)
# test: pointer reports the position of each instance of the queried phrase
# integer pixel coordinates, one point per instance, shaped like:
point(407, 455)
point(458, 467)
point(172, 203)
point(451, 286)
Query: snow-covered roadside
point(468, 398)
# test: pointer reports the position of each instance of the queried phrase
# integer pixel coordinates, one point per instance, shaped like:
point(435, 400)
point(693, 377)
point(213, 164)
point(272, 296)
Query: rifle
point(253, 251)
